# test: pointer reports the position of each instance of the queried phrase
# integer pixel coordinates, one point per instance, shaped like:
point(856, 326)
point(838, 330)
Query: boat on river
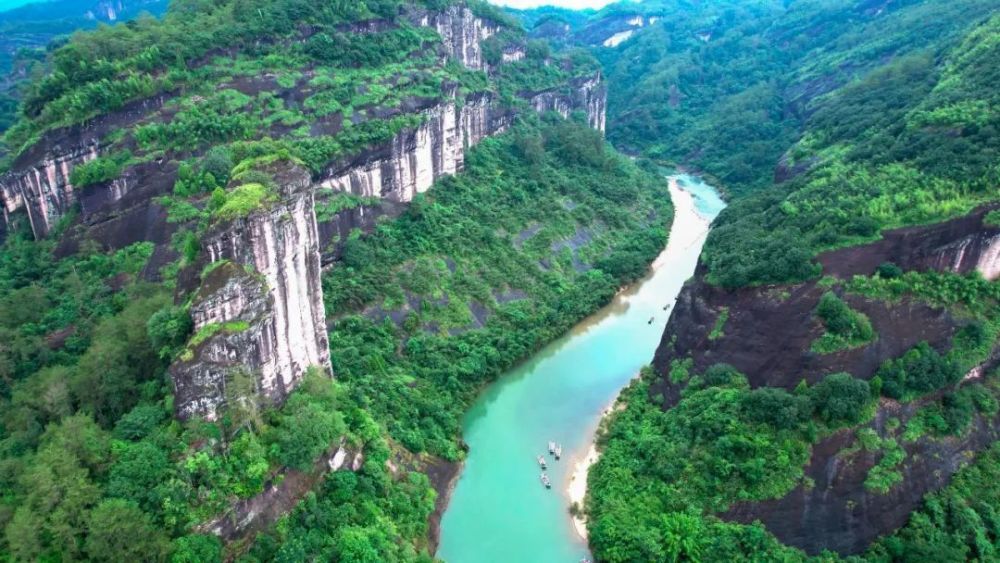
point(541, 461)
point(558, 452)
point(552, 447)
point(546, 482)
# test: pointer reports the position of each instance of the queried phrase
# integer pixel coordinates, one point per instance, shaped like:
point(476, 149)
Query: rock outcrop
point(587, 94)
point(409, 164)
point(415, 158)
point(261, 312)
point(261, 309)
point(38, 182)
point(43, 188)
point(462, 34)
point(961, 245)
point(767, 336)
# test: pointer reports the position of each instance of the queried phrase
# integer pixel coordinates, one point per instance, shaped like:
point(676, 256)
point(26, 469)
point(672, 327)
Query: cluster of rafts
point(555, 450)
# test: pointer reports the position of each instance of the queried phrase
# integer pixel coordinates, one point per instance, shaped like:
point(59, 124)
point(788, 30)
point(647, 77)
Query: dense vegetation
point(844, 327)
point(828, 124)
point(543, 228)
point(729, 86)
point(93, 463)
point(28, 31)
point(722, 443)
point(927, 156)
point(482, 271)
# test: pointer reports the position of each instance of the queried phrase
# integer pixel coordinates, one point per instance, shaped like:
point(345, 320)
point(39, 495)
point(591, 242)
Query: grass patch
point(244, 200)
point(845, 327)
point(208, 331)
point(720, 323)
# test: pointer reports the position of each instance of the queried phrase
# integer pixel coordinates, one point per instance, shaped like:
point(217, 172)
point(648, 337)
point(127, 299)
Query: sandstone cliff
point(262, 304)
point(768, 332)
point(262, 311)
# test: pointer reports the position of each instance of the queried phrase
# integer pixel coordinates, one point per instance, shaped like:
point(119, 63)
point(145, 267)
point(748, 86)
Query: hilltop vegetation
point(728, 87)
point(930, 155)
point(546, 222)
point(828, 122)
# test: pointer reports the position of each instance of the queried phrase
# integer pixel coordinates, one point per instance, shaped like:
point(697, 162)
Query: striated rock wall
point(961, 245)
point(267, 303)
point(38, 182)
point(588, 94)
point(43, 188)
point(462, 34)
point(415, 158)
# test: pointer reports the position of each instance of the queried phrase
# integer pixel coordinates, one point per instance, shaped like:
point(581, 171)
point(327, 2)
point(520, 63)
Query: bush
point(841, 320)
point(845, 327)
point(101, 169)
point(918, 371)
point(889, 271)
point(196, 548)
point(840, 399)
point(139, 422)
point(168, 330)
point(721, 375)
point(777, 408)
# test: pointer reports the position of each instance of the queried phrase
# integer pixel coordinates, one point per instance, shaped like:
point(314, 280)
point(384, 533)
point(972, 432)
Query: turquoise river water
point(499, 510)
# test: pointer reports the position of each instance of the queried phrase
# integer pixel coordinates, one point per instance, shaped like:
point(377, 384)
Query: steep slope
point(790, 415)
point(207, 216)
point(727, 87)
point(25, 31)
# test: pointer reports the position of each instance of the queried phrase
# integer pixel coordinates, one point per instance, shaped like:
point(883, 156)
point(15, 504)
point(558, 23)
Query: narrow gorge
point(420, 280)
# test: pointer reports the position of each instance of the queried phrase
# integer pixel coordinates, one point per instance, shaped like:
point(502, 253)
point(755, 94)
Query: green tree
point(196, 548)
point(840, 399)
point(682, 536)
point(120, 531)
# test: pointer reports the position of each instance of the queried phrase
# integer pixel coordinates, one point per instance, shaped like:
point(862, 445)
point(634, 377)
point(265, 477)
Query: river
point(499, 510)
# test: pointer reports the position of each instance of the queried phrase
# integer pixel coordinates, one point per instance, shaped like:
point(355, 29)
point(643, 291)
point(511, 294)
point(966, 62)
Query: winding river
point(499, 510)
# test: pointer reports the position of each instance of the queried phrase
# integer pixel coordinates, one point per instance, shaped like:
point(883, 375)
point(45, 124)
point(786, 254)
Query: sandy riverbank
point(687, 229)
point(577, 488)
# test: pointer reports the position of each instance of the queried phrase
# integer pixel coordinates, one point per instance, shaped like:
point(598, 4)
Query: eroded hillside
point(259, 257)
point(827, 383)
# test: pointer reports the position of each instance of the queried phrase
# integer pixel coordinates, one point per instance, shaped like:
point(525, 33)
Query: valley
point(285, 280)
point(558, 395)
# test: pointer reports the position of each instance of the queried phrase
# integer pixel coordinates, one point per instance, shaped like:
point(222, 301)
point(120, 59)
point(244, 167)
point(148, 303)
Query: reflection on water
point(499, 510)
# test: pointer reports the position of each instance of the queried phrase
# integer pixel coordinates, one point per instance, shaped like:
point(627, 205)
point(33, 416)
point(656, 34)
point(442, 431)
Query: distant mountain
point(27, 29)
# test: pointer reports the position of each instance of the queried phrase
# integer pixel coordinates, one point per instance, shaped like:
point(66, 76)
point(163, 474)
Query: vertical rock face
point(38, 182)
point(415, 158)
point(961, 245)
point(589, 95)
point(264, 307)
point(462, 34)
point(512, 53)
point(43, 189)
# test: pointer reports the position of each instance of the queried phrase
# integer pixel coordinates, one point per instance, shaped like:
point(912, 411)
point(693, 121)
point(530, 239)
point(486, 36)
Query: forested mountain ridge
point(826, 387)
point(27, 31)
point(208, 215)
point(726, 87)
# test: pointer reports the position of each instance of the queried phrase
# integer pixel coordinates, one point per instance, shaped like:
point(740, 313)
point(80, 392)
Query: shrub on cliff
point(920, 370)
point(840, 399)
point(845, 327)
point(777, 407)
